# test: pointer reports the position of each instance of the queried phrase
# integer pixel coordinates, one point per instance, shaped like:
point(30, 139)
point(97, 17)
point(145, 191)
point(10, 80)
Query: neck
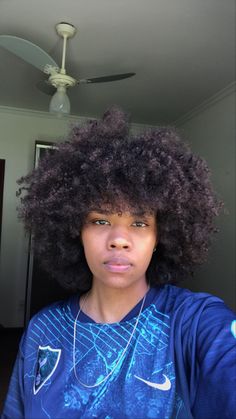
point(109, 305)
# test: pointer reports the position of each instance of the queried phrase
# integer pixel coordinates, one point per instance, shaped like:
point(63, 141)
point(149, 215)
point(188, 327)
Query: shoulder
point(59, 309)
point(192, 308)
point(49, 323)
point(199, 317)
point(176, 297)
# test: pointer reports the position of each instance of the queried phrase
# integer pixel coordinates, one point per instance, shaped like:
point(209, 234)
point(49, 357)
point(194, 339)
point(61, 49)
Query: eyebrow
point(132, 213)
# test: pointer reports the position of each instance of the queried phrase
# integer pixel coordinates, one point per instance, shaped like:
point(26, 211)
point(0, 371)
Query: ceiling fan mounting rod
point(63, 70)
point(65, 30)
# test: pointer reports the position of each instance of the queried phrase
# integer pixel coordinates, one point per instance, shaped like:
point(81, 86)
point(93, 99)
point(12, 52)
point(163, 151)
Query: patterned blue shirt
point(180, 363)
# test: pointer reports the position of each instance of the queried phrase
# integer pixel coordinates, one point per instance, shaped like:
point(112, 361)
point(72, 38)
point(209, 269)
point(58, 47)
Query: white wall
point(210, 130)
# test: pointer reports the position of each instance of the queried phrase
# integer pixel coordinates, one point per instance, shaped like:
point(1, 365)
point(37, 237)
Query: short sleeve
point(216, 358)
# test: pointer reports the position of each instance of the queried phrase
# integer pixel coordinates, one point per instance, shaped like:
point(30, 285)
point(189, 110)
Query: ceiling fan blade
point(46, 87)
point(105, 79)
point(27, 51)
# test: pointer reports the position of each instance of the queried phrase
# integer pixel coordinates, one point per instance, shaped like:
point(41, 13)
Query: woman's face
point(118, 247)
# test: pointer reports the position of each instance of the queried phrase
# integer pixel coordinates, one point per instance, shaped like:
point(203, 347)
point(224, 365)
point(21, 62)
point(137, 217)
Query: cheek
point(87, 238)
point(145, 251)
point(91, 244)
point(148, 244)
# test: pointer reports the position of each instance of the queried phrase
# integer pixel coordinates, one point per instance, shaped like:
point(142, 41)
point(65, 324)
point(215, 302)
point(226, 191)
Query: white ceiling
point(183, 51)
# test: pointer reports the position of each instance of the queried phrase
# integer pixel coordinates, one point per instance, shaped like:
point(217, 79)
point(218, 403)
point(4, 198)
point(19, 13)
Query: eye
point(100, 222)
point(139, 224)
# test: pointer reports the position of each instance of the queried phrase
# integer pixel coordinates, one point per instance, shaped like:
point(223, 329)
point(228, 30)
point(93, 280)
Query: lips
point(117, 264)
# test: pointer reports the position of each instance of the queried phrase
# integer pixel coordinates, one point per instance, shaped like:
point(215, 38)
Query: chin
point(121, 282)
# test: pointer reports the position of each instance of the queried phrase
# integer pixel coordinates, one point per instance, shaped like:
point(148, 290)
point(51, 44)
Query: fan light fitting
point(60, 103)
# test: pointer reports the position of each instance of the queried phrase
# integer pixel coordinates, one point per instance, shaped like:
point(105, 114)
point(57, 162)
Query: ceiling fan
point(58, 80)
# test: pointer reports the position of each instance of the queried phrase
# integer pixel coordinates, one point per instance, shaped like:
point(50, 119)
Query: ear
point(155, 247)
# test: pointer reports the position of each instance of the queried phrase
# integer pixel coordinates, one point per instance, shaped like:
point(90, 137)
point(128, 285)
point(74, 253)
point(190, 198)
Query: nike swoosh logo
point(160, 386)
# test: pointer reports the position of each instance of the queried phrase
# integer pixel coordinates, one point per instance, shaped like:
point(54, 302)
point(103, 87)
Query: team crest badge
point(47, 362)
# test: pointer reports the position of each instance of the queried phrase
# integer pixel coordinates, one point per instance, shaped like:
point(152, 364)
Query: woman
point(120, 219)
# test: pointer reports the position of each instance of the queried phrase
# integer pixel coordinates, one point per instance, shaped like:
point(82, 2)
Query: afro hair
point(101, 164)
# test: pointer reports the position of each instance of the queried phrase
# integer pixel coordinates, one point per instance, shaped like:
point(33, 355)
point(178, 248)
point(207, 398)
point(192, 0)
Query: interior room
point(164, 62)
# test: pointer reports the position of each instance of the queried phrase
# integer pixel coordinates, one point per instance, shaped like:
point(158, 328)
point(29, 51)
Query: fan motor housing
point(58, 79)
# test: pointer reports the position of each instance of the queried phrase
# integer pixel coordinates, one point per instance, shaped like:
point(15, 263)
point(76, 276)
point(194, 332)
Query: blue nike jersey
point(180, 362)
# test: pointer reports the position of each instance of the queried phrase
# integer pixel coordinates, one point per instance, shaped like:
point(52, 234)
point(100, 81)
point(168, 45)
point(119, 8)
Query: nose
point(119, 239)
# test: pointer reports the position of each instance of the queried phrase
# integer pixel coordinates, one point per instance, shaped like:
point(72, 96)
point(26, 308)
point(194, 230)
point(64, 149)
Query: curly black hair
point(101, 164)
